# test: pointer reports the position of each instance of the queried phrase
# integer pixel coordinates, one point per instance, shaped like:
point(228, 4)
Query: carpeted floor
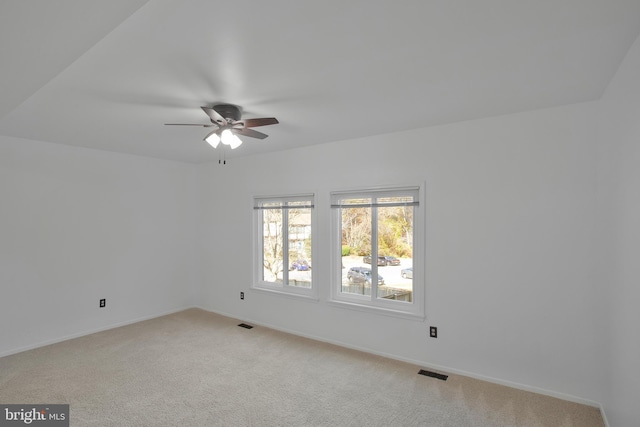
point(196, 368)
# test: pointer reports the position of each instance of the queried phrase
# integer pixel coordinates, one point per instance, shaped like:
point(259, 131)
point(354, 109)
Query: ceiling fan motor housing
point(228, 111)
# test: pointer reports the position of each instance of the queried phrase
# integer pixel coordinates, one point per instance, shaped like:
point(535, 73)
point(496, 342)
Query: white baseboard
point(89, 332)
point(425, 364)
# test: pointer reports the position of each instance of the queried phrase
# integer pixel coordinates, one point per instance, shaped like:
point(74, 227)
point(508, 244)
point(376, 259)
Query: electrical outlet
point(241, 295)
point(433, 331)
point(103, 303)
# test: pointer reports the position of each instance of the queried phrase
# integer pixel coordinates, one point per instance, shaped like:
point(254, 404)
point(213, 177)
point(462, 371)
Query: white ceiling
point(109, 74)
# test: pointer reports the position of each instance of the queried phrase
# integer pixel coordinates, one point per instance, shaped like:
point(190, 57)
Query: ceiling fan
point(226, 119)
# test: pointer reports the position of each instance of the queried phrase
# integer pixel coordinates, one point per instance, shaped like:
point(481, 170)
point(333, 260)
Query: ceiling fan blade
point(250, 133)
point(189, 124)
point(214, 115)
point(252, 123)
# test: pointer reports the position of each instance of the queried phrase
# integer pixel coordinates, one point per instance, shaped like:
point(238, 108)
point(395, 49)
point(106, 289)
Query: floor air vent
point(433, 375)
point(244, 325)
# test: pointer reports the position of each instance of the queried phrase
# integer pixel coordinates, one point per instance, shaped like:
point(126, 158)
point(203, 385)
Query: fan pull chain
point(222, 157)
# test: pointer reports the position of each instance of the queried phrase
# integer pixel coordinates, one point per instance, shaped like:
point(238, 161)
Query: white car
point(407, 273)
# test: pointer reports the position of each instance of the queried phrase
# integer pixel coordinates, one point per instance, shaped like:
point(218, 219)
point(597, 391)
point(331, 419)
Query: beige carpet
point(196, 368)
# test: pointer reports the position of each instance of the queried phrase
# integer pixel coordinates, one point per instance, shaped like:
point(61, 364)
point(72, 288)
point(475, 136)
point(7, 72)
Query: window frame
point(414, 310)
point(258, 237)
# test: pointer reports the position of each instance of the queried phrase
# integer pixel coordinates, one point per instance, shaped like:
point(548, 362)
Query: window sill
point(298, 296)
point(377, 310)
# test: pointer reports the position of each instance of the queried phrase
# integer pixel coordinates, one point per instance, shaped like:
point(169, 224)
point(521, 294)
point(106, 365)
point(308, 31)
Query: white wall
point(619, 208)
point(510, 213)
point(78, 225)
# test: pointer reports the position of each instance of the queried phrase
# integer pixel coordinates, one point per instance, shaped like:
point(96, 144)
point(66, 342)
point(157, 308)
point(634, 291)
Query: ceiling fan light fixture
point(235, 142)
point(226, 137)
point(213, 140)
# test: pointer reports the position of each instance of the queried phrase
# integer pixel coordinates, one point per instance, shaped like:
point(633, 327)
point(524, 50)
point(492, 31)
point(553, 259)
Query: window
point(284, 244)
point(377, 251)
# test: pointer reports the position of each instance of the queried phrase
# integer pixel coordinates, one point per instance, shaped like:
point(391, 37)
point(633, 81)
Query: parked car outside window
point(367, 260)
point(407, 273)
point(390, 260)
point(362, 274)
point(382, 260)
point(300, 265)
